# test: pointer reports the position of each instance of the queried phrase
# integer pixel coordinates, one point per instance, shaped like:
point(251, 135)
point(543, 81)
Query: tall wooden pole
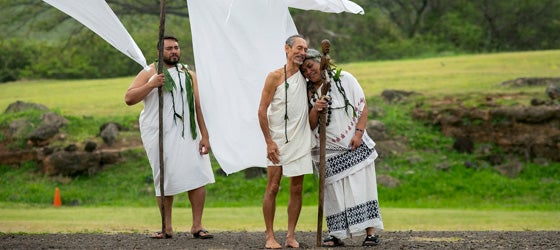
point(160, 109)
point(322, 154)
point(325, 67)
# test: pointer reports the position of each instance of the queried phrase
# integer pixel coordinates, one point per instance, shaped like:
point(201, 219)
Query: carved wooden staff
point(160, 109)
point(325, 68)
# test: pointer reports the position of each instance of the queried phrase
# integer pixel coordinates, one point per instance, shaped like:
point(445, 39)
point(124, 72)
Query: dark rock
point(109, 133)
point(389, 148)
point(18, 128)
point(553, 91)
point(54, 119)
point(376, 130)
point(71, 148)
point(537, 102)
point(19, 106)
point(69, 163)
point(90, 146)
point(119, 126)
point(109, 157)
point(393, 96)
point(463, 144)
point(531, 81)
point(43, 134)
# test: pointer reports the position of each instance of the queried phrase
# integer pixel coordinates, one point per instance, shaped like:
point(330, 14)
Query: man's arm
point(204, 146)
point(142, 85)
point(267, 94)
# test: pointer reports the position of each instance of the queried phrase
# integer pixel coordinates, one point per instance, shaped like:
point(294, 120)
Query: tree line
point(42, 42)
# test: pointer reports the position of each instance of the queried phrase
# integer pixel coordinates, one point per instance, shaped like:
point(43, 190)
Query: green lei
point(169, 85)
point(338, 85)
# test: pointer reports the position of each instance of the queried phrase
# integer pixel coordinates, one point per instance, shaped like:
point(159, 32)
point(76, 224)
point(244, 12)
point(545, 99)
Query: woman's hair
point(314, 55)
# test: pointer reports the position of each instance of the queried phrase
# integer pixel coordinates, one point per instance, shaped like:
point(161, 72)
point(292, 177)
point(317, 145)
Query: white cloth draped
point(236, 43)
point(335, 6)
point(98, 17)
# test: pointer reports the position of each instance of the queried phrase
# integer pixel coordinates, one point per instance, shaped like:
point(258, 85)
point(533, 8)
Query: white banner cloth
point(236, 43)
point(98, 17)
point(335, 6)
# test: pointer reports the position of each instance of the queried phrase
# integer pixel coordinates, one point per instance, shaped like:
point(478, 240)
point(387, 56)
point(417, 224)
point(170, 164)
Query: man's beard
point(170, 61)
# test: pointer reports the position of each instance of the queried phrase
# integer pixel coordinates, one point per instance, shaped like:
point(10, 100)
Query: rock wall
point(529, 131)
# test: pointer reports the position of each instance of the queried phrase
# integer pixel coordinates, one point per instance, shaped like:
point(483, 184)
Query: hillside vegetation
point(90, 103)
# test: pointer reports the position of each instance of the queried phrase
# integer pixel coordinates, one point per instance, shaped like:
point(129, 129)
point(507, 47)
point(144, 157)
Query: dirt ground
point(251, 240)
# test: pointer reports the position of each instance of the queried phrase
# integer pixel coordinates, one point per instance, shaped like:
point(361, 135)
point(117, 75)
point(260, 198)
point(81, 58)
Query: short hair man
point(283, 118)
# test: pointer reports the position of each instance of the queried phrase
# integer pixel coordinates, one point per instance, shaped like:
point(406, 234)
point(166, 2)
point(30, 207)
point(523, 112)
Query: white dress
point(350, 195)
point(184, 168)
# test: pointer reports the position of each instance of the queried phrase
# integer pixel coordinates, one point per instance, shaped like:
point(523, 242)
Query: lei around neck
point(170, 86)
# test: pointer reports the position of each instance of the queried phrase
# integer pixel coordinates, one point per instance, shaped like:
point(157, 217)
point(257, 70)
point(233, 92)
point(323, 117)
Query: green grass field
point(120, 198)
point(144, 220)
point(431, 77)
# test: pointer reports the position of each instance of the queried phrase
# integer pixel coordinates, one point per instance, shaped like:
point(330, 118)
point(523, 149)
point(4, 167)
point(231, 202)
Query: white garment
point(350, 199)
point(185, 169)
point(351, 204)
point(295, 153)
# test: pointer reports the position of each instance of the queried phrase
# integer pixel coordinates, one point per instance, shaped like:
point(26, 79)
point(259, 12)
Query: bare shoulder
point(275, 78)
point(148, 72)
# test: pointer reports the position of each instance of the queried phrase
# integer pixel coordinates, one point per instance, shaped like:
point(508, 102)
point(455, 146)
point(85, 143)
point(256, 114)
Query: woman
point(350, 196)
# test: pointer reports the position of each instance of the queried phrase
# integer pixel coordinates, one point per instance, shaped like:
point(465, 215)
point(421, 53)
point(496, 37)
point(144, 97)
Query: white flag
point(335, 6)
point(236, 44)
point(98, 17)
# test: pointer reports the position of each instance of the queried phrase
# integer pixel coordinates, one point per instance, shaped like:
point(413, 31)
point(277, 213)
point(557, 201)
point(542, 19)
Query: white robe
point(350, 199)
point(295, 155)
point(185, 169)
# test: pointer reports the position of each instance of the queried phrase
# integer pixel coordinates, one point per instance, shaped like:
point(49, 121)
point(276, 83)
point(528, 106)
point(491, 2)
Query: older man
point(283, 117)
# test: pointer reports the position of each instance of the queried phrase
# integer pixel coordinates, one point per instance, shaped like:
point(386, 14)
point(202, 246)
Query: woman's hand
point(356, 140)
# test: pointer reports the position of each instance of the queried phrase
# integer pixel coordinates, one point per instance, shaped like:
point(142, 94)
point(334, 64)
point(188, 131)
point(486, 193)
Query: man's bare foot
point(272, 244)
point(291, 243)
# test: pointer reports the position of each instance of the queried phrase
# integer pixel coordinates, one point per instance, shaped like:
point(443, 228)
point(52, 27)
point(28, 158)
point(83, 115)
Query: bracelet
point(361, 130)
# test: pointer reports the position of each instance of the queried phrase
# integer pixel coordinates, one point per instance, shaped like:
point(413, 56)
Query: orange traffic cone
point(57, 201)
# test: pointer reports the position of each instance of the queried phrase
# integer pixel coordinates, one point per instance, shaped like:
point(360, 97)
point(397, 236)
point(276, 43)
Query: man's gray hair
point(292, 38)
point(314, 54)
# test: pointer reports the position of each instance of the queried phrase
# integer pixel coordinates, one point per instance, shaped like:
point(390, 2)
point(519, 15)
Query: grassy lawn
point(431, 77)
point(142, 219)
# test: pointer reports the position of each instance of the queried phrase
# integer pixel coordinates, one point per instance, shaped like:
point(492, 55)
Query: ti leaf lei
point(169, 85)
point(338, 85)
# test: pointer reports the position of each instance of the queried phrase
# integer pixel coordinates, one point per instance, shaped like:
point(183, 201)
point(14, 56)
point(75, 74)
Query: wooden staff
point(160, 109)
point(325, 67)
